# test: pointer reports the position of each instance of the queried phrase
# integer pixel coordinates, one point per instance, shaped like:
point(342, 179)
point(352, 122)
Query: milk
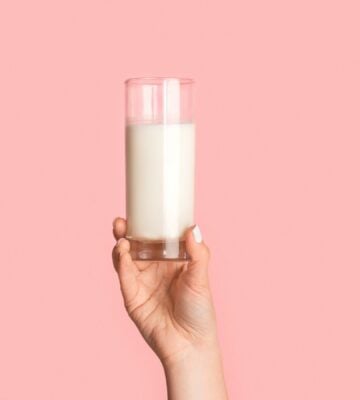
point(160, 163)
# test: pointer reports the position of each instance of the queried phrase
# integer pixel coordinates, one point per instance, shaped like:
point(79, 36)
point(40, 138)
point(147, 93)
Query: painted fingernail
point(197, 234)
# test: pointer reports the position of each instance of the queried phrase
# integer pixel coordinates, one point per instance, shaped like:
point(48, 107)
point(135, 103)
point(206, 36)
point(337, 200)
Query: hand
point(169, 301)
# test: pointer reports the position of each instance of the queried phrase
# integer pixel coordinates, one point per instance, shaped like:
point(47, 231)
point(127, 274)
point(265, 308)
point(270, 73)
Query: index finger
point(119, 228)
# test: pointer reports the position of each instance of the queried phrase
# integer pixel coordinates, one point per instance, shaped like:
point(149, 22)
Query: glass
point(160, 166)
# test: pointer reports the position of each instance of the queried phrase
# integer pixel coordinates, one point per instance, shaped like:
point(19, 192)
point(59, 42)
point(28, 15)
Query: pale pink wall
point(278, 98)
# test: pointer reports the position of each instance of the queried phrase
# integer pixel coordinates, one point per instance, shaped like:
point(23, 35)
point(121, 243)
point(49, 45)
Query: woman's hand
point(170, 303)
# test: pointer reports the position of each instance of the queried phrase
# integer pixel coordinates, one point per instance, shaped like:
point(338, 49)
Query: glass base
point(157, 250)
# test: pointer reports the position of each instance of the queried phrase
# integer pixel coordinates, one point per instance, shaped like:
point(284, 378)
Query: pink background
point(278, 97)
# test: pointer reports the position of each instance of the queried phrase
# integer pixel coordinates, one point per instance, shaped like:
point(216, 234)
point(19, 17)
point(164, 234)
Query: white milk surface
point(160, 164)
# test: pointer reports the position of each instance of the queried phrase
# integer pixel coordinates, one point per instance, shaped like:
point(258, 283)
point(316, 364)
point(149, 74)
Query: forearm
point(198, 375)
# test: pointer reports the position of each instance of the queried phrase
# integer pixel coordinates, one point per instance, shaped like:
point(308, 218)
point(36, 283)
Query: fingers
point(121, 248)
point(199, 254)
point(126, 269)
point(119, 228)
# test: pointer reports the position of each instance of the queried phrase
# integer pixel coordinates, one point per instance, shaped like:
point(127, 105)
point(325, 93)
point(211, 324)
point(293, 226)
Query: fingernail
point(197, 234)
point(114, 223)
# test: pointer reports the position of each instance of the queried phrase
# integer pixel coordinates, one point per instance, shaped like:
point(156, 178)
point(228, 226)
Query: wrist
point(196, 373)
point(193, 353)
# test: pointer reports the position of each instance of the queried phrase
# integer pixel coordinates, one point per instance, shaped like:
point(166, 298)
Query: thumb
point(199, 254)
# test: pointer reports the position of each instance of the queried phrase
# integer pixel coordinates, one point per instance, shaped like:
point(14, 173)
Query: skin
point(171, 305)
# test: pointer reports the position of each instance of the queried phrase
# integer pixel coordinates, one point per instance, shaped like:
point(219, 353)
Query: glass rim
point(157, 80)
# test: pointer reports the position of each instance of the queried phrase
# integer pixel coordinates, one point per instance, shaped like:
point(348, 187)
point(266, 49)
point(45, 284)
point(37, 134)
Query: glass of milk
point(160, 163)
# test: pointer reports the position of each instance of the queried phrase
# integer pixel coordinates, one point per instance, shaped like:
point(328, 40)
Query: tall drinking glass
point(160, 164)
